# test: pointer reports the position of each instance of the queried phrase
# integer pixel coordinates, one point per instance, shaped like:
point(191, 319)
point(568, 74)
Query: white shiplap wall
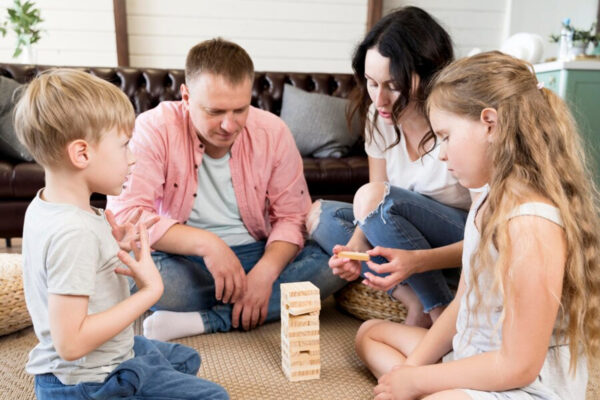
point(279, 35)
point(75, 32)
point(471, 23)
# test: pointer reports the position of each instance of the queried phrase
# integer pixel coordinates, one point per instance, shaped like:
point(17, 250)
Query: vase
point(577, 49)
point(28, 55)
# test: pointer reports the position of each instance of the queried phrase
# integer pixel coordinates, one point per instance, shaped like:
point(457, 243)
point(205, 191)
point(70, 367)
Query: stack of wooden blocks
point(300, 353)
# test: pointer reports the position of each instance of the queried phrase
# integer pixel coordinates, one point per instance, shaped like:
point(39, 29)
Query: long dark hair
point(415, 43)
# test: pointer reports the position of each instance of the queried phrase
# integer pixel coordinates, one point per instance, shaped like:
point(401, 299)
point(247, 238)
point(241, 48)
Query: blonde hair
point(537, 149)
point(62, 105)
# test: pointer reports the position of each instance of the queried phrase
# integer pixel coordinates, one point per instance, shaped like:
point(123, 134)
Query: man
point(227, 182)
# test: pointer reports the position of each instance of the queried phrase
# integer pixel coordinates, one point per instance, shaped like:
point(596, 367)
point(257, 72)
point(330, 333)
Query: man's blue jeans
point(189, 286)
point(159, 371)
point(403, 220)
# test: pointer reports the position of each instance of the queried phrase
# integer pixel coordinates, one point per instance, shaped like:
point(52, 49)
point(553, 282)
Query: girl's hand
point(142, 268)
point(129, 231)
point(345, 268)
point(401, 264)
point(398, 384)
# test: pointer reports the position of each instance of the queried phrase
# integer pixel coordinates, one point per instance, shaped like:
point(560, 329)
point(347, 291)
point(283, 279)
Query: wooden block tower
point(300, 356)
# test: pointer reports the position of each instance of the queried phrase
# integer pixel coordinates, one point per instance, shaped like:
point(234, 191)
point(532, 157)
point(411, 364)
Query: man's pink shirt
point(266, 171)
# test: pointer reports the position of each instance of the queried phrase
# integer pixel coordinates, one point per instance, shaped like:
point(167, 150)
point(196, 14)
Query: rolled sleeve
point(288, 193)
point(145, 186)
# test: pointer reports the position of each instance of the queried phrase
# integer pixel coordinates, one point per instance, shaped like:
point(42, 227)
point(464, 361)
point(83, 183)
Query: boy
point(77, 127)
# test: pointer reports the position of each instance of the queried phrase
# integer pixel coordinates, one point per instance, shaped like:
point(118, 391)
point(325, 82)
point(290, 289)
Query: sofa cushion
point(318, 123)
point(9, 144)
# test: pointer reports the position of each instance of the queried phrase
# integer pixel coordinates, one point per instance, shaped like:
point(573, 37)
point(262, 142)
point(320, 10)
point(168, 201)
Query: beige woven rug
point(247, 364)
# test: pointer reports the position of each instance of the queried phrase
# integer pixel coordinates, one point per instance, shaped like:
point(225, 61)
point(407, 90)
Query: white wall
point(470, 23)
point(544, 17)
point(279, 35)
point(75, 32)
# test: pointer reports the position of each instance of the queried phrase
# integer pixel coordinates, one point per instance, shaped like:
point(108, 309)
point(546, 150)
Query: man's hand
point(226, 269)
point(398, 384)
point(345, 268)
point(401, 265)
point(252, 308)
point(130, 230)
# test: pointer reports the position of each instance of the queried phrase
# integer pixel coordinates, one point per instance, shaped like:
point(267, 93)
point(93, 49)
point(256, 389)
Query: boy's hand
point(130, 230)
point(142, 268)
point(345, 268)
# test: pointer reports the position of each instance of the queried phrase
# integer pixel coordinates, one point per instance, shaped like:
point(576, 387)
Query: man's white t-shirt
point(427, 175)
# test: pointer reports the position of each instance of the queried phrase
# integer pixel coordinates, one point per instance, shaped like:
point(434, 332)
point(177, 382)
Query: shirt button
point(175, 185)
point(195, 194)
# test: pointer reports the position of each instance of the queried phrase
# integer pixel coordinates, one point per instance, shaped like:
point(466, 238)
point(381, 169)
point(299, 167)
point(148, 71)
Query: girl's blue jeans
point(403, 220)
point(158, 371)
point(189, 286)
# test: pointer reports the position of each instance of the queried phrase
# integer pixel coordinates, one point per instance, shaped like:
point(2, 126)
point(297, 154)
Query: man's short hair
point(62, 105)
point(220, 57)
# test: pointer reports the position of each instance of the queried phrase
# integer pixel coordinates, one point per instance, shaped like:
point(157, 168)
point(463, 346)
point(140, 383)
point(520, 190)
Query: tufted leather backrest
point(146, 87)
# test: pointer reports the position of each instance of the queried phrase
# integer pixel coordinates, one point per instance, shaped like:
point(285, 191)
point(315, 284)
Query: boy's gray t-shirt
point(69, 251)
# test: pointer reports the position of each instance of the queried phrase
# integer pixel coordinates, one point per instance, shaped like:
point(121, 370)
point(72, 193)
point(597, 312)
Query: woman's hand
point(401, 265)
point(345, 268)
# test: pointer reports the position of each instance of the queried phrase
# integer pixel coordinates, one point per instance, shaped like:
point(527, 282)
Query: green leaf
point(23, 19)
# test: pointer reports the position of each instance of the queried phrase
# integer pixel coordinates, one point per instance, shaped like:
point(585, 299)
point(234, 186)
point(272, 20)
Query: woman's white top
point(427, 175)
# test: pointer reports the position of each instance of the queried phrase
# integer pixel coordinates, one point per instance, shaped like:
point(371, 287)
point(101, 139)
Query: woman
point(412, 212)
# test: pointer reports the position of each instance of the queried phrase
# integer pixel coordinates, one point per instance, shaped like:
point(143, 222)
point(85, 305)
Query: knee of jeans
point(191, 365)
point(368, 198)
point(312, 219)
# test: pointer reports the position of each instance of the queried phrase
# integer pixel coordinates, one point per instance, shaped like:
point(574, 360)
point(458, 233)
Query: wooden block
point(300, 298)
point(353, 255)
point(300, 349)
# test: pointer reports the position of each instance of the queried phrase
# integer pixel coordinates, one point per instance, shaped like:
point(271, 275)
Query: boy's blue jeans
point(404, 220)
point(189, 286)
point(159, 371)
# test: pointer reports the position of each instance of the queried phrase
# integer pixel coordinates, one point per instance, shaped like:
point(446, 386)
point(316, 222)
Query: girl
point(525, 317)
point(413, 208)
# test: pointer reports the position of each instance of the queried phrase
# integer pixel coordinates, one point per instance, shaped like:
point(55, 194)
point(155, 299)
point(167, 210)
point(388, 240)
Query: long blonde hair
point(537, 149)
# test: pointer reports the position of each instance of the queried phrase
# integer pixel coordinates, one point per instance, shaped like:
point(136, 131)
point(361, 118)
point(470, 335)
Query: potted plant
point(579, 39)
point(596, 43)
point(23, 19)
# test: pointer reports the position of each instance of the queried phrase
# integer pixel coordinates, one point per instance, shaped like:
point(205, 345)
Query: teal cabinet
point(578, 83)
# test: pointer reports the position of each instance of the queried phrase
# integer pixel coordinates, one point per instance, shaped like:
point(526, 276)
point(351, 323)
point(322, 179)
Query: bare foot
point(415, 315)
point(434, 313)
point(418, 318)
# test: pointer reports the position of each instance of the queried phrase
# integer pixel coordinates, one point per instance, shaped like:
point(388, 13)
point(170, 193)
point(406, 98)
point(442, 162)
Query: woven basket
point(366, 303)
point(13, 311)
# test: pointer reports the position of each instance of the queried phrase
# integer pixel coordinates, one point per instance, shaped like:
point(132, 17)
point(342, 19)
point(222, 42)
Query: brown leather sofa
point(328, 178)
